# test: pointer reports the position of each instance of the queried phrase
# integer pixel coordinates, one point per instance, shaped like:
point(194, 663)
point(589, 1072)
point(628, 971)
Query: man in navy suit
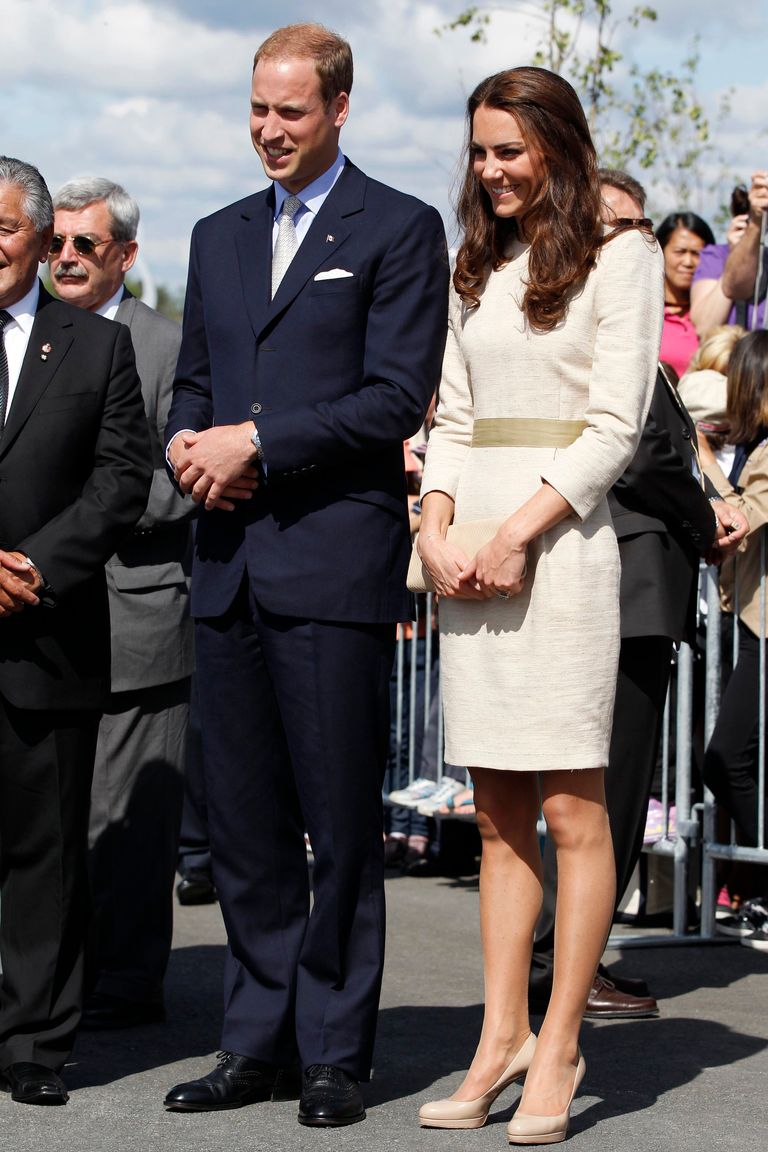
point(314, 327)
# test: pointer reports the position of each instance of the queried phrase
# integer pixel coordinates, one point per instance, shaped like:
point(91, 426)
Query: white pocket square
point(333, 274)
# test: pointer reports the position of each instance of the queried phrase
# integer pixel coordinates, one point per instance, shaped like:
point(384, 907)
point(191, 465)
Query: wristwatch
point(45, 592)
point(256, 441)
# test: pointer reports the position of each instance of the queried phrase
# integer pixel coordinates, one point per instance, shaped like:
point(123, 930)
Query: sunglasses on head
point(83, 245)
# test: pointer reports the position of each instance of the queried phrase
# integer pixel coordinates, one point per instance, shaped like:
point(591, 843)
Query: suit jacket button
point(686, 434)
point(255, 408)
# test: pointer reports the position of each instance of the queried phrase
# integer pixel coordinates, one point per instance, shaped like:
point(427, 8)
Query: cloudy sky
point(154, 93)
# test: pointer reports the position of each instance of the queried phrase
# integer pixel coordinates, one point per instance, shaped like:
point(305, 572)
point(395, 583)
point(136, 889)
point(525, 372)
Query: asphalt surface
point(694, 1079)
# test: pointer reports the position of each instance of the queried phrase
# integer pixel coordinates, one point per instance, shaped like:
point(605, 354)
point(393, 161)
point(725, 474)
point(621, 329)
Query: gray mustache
point(70, 270)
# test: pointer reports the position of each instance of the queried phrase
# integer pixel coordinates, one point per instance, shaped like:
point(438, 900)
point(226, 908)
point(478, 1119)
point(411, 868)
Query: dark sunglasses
point(83, 245)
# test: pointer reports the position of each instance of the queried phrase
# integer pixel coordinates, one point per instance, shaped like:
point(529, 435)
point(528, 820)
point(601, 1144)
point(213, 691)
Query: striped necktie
point(5, 318)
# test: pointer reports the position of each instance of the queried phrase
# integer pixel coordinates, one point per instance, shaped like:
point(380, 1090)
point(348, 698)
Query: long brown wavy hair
point(562, 222)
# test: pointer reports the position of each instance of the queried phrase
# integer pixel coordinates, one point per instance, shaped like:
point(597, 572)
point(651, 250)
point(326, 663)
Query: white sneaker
point(757, 939)
point(418, 790)
point(448, 787)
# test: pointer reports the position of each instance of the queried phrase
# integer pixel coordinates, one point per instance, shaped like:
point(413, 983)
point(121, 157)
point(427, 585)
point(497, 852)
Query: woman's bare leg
point(574, 808)
point(507, 805)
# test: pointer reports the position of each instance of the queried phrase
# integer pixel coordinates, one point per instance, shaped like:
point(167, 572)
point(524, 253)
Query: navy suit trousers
point(294, 716)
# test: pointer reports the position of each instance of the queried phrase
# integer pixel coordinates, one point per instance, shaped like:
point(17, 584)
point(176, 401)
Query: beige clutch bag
point(470, 536)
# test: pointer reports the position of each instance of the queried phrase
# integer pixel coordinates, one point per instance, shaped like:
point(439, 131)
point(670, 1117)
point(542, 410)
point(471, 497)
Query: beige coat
point(742, 572)
point(528, 683)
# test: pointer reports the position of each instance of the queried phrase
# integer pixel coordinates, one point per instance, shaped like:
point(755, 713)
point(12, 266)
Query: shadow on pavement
point(630, 1064)
point(192, 1027)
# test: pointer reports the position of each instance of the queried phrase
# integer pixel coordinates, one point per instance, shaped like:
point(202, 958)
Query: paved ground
point(693, 1081)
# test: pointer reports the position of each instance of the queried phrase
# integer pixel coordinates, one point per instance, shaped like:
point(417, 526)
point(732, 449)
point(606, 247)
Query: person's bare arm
point(738, 279)
point(709, 304)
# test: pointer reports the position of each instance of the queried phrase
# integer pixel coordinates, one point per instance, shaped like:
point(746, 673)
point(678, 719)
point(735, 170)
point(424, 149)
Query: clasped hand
point(215, 467)
point(498, 568)
point(732, 527)
point(18, 583)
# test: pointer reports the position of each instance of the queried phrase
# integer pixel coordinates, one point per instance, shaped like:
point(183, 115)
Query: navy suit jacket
point(336, 372)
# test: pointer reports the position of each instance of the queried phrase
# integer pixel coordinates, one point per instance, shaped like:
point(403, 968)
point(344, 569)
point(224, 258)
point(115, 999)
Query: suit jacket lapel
point(253, 242)
point(48, 344)
point(126, 308)
point(326, 235)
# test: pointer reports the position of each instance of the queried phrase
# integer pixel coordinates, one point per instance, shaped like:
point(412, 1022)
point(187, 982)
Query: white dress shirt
point(109, 309)
point(312, 199)
point(16, 336)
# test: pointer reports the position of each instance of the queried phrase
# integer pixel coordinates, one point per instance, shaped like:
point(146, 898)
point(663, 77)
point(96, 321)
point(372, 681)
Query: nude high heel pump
point(525, 1128)
point(474, 1113)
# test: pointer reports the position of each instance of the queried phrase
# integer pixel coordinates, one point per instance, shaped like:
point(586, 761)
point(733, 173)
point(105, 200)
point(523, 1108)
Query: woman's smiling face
point(510, 171)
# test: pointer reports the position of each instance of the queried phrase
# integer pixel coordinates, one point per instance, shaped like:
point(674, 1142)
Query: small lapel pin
point(44, 351)
point(329, 239)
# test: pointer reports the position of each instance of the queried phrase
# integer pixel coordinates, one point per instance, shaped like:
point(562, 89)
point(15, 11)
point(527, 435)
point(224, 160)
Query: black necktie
point(5, 318)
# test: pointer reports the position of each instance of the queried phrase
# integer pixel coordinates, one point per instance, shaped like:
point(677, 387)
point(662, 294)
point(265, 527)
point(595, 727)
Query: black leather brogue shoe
point(329, 1098)
point(31, 1083)
point(236, 1080)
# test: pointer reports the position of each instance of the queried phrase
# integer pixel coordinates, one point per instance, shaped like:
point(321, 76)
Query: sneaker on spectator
point(751, 919)
point(724, 905)
point(757, 939)
point(448, 787)
point(418, 790)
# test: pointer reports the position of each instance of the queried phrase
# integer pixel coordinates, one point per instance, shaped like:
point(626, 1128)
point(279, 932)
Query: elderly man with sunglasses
point(137, 785)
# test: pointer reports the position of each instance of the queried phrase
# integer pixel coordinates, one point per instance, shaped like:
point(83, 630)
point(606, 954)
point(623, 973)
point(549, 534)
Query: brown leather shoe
point(607, 1002)
point(631, 984)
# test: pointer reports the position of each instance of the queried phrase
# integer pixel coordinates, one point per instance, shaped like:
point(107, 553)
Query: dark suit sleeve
point(192, 402)
point(405, 336)
point(74, 544)
point(660, 483)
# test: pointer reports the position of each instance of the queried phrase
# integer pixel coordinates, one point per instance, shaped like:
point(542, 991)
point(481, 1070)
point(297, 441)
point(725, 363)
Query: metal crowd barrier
point(691, 840)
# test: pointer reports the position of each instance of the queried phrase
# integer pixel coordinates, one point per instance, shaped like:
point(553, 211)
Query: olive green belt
point(512, 432)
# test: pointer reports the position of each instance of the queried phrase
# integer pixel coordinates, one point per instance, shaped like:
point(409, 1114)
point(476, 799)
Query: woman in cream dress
point(551, 357)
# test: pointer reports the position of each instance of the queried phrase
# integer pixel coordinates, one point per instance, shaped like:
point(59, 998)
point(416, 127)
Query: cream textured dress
point(528, 683)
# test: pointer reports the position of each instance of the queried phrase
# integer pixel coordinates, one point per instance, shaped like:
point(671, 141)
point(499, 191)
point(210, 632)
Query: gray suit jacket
point(148, 578)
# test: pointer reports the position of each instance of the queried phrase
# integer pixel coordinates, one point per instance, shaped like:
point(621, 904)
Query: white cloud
point(118, 47)
point(154, 93)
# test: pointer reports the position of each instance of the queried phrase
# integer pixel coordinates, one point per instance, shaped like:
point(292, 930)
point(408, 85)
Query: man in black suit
point(75, 470)
point(666, 519)
point(313, 334)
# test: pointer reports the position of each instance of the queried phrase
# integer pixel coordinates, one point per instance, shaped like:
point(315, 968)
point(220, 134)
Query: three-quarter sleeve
point(629, 308)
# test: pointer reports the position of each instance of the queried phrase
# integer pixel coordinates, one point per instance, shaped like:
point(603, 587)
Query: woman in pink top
point(682, 235)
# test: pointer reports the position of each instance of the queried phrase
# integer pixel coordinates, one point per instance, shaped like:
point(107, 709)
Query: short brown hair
point(331, 53)
point(618, 178)
point(748, 388)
